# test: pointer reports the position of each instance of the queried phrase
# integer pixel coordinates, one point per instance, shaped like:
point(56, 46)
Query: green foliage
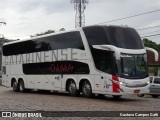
point(46, 32)
point(43, 33)
point(151, 44)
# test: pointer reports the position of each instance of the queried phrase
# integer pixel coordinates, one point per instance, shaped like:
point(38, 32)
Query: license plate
point(136, 91)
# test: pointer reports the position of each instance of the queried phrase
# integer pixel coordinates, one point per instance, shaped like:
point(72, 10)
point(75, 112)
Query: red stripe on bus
point(115, 86)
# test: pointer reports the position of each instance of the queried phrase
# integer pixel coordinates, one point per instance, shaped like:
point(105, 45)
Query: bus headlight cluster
point(122, 83)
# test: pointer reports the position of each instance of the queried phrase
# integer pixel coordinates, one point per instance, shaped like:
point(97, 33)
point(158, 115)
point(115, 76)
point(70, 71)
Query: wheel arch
point(12, 80)
point(20, 79)
point(81, 83)
point(23, 78)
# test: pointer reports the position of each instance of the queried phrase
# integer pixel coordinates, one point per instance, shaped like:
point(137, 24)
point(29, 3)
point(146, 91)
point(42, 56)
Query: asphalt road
point(47, 101)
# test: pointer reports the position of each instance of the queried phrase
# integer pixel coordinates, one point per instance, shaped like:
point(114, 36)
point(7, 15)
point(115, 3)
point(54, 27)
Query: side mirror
point(109, 47)
point(154, 51)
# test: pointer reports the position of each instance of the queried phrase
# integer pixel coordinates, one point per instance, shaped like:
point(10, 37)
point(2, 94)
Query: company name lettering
point(46, 56)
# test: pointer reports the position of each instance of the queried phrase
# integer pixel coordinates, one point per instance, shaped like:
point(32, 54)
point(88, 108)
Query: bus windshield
point(133, 66)
point(120, 37)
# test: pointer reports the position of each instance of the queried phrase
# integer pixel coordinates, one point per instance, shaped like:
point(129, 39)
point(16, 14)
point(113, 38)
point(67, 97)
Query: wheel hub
point(21, 87)
point(72, 88)
point(15, 85)
point(87, 89)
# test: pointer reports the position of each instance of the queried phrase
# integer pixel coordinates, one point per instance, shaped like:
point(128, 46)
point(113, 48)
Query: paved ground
point(33, 101)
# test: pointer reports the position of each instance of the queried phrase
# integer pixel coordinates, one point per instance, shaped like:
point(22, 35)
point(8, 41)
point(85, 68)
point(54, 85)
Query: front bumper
point(135, 90)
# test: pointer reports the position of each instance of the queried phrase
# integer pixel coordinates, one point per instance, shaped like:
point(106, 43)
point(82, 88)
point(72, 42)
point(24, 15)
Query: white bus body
point(108, 60)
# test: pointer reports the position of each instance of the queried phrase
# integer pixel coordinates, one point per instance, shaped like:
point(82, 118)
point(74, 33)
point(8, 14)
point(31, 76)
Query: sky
point(28, 17)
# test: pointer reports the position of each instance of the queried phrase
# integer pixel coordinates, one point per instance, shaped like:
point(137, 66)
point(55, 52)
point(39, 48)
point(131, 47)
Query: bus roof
point(42, 36)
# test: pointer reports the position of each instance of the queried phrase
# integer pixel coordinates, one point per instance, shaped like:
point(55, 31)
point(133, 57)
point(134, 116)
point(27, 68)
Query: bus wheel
point(87, 89)
point(155, 96)
point(21, 86)
point(72, 89)
point(15, 86)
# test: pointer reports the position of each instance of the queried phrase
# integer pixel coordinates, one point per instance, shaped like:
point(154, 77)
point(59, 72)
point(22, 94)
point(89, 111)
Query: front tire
point(87, 89)
point(72, 89)
point(155, 96)
point(15, 86)
point(140, 95)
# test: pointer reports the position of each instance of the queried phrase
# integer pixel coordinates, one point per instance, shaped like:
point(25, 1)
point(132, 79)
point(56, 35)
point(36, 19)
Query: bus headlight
point(122, 83)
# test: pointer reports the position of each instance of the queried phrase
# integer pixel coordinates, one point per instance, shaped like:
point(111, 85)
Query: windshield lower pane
point(134, 65)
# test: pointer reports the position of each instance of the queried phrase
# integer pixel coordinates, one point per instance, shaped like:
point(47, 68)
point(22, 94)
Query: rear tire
point(155, 96)
point(87, 89)
point(72, 89)
point(15, 86)
point(140, 95)
point(21, 86)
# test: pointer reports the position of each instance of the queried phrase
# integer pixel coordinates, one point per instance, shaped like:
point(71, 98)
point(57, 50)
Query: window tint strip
point(60, 41)
point(58, 67)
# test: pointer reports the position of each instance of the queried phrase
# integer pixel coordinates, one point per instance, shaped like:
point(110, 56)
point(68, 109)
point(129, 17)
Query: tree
point(46, 32)
point(3, 40)
point(62, 29)
point(151, 44)
point(159, 47)
point(43, 33)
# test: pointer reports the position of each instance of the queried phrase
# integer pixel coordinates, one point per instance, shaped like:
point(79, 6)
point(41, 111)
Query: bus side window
point(104, 66)
point(103, 60)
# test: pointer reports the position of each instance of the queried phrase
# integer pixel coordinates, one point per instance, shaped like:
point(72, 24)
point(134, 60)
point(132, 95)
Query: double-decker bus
point(102, 60)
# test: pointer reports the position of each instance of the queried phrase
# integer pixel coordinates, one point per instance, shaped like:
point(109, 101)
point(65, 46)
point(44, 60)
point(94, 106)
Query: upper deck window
point(54, 42)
